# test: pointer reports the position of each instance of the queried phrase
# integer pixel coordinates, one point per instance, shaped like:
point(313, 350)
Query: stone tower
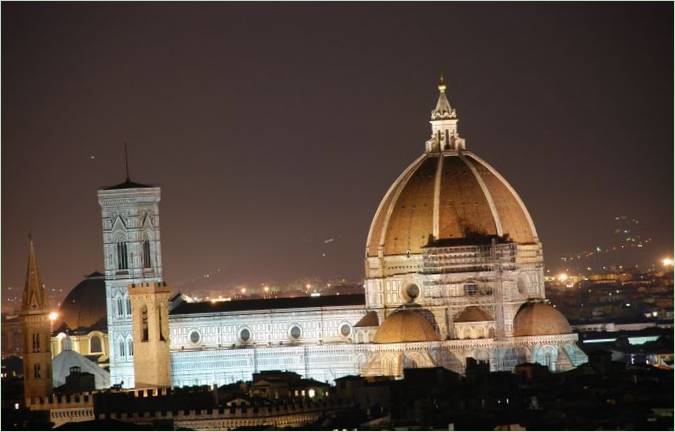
point(132, 255)
point(37, 358)
point(150, 310)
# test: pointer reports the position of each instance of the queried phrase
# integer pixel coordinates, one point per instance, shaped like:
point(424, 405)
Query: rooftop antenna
point(126, 160)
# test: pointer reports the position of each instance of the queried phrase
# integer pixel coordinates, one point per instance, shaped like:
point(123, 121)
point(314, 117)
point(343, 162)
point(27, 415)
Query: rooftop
point(128, 184)
point(266, 304)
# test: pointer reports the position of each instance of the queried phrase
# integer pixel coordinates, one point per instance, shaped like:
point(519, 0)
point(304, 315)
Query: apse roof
point(265, 304)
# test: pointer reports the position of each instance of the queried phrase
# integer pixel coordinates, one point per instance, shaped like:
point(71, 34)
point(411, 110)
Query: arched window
point(130, 345)
point(66, 344)
point(120, 307)
point(144, 324)
point(122, 259)
point(95, 344)
point(36, 370)
point(161, 327)
point(128, 306)
point(147, 263)
point(36, 343)
point(121, 345)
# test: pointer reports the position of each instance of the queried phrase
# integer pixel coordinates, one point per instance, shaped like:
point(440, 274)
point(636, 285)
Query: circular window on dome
point(245, 335)
point(295, 332)
point(345, 330)
point(412, 291)
point(195, 337)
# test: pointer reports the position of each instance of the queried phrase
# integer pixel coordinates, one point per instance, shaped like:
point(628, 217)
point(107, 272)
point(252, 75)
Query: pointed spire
point(127, 184)
point(33, 292)
point(444, 134)
point(126, 161)
point(443, 109)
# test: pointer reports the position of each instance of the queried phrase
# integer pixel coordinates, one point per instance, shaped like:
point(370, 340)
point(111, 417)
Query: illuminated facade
point(454, 269)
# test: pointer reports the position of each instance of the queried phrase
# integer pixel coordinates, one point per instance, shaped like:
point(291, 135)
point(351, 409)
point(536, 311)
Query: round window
point(195, 337)
point(296, 332)
point(345, 330)
point(245, 335)
point(412, 292)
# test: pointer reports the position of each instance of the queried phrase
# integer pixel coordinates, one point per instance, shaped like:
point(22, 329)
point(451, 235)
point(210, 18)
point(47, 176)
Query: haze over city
point(274, 132)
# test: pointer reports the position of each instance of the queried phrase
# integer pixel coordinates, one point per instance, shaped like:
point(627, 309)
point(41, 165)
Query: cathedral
point(453, 270)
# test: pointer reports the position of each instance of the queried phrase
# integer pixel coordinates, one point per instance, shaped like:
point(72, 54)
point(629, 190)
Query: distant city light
point(667, 262)
point(243, 290)
point(562, 277)
point(315, 294)
point(53, 315)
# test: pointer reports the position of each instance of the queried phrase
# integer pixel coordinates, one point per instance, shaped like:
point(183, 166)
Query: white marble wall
point(130, 215)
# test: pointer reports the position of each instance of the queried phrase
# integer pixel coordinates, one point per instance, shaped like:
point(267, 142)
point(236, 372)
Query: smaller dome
point(405, 325)
point(369, 320)
point(473, 313)
point(540, 319)
point(84, 308)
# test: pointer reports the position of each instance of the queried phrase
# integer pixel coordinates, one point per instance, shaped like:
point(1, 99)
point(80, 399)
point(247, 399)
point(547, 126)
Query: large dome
point(540, 319)
point(447, 193)
point(473, 314)
point(405, 325)
point(84, 307)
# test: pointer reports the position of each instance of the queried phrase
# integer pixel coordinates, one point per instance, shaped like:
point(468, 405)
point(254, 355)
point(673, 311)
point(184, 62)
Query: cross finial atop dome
point(444, 134)
point(441, 84)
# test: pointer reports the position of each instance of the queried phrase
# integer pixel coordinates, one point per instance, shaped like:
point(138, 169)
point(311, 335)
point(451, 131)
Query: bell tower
point(150, 321)
point(132, 255)
point(37, 358)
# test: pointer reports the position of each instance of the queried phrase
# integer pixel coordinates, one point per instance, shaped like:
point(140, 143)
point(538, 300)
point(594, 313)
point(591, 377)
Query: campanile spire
point(444, 134)
point(37, 358)
point(33, 292)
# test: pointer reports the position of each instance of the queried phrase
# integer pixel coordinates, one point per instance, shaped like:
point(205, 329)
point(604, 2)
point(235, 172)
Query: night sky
point(274, 127)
